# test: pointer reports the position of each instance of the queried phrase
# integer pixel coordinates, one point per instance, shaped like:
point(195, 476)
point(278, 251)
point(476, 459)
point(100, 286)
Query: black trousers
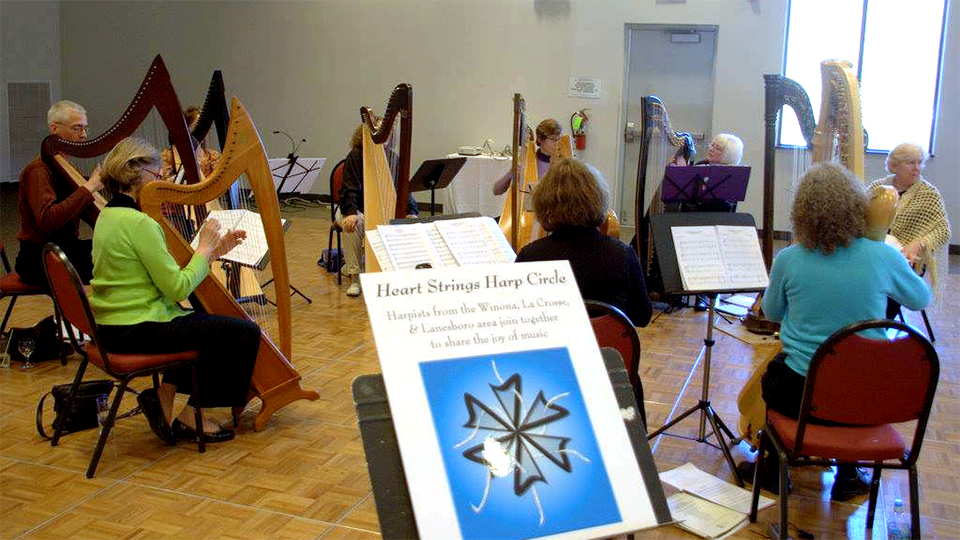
point(228, 350)
point(29, 265)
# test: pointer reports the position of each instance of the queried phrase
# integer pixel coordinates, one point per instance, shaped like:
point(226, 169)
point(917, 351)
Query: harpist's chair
point(861, 386)
point(11, 286)
point(615, 330)
point(71, 300)
point(336, 178)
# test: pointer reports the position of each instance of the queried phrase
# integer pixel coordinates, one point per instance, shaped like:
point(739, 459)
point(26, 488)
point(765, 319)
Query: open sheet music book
point(253, 251)
point(441, 243)
point(719, 258)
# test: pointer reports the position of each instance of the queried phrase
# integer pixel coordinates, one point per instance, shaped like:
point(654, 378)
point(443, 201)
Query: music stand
point(435, 174)
point(673, 284)
point(390, 492)
point(700, 183)
point(293, 168)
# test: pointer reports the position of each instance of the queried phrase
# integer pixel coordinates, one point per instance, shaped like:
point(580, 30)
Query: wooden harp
point(156, 90)
point(653, 116)
point(386, 190)
point(514, 216)
point(275, 381)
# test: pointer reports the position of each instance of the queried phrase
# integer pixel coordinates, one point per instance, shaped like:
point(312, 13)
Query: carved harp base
point(758, 324)
point(278, 398)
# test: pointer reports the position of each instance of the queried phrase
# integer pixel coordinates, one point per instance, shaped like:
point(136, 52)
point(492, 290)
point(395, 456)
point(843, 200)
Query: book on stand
point(440, 243)
point(719, 257)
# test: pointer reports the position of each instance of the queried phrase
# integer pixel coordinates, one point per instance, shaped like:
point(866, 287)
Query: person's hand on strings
point(94, 183)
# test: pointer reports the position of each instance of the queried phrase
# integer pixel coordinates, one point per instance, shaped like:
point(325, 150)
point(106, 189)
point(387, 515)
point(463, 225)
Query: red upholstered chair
point(615, 330)
point(336, 179)
point(71, 300)
point(13, 287)
point(861, 384)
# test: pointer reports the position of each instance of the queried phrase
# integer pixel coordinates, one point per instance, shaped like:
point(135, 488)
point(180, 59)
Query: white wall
point(307, 67)
point(29, 41)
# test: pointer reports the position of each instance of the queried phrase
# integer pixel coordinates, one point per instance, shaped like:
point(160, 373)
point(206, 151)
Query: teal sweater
point(814, 295)
point(135, 279)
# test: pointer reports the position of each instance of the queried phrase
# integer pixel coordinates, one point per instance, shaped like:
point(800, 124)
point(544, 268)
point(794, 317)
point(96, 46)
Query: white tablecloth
point(472, 188)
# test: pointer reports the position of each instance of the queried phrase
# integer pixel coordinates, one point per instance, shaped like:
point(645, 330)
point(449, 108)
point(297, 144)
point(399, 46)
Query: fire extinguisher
point(578, 125)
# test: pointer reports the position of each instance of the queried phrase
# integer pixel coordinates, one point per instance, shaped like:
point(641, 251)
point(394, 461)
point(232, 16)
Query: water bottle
point(898, 528)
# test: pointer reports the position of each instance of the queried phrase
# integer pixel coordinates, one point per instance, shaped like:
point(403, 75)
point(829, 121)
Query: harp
point(653, 116)
point(385, 189)
point(155, 91)
point(515, 217)
point(275, 381)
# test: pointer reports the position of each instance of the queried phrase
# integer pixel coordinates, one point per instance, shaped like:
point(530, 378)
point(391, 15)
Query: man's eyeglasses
point(76, 128)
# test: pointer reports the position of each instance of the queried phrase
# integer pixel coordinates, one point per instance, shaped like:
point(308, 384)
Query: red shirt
point(51, 205)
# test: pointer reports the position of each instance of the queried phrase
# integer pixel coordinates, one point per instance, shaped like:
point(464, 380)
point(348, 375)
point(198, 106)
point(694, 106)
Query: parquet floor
point(305, 477)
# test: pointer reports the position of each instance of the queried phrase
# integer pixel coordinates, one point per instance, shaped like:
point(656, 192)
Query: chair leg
point(6, 316)
point(197, 411)
point(874, 491)
point(57, 424)
point(926, 322)
point(339, 261)
point(914, 503)
point(755, 496)
point(784, 492)
point(56, 316)
point(105, 430)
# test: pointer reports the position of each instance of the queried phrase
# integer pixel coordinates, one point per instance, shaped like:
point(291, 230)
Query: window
point(895, 48)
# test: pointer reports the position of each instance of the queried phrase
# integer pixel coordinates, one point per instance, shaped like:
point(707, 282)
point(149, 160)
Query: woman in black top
point(571, 202)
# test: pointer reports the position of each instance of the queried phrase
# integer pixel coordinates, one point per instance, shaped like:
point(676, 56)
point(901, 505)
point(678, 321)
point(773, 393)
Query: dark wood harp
point(653, 116)
point(838, 135)
point(385, 193)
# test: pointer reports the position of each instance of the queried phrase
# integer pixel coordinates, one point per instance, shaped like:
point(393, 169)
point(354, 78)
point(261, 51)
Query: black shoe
point(149, 403)
point(769, 480)
point(186, 432)
point(848, 485)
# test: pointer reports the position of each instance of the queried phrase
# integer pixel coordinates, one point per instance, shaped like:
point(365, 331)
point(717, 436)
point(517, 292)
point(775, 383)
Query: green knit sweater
point(135, 279)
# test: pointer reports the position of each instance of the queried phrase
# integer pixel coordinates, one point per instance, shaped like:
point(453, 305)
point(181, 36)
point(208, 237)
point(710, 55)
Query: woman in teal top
point(135, 293)
point(831, 277)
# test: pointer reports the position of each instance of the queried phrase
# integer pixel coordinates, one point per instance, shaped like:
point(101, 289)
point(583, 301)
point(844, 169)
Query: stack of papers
point(441, 243)
point(706, 505)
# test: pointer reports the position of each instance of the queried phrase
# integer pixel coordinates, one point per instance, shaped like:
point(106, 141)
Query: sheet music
point(409, 245)
point(698, 256)
point(691, 479)
point(375, 241)
point(253, 251)
point(446, 256)
point(743, 261)
point(473, 241)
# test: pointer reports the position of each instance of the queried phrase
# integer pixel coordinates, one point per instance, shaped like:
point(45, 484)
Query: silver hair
point(904, 151)
point(731, 147)
point(61, 111)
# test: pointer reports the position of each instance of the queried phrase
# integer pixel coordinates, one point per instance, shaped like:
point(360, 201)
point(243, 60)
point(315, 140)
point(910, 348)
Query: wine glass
point(26, 347)
point(103, 410)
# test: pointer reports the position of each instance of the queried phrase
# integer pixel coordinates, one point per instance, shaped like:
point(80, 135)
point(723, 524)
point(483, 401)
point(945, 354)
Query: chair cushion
point(126, 363)
point(11, 283)
point(844, 443)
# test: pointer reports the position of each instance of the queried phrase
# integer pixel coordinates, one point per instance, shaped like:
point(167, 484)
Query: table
point(472, 188)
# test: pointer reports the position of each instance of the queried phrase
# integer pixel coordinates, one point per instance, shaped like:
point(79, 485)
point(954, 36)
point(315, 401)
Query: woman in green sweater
point(135, 293)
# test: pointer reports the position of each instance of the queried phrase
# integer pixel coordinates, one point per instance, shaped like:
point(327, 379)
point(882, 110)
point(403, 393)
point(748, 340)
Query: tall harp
point(653, 116)
point(385, 188)
point(516, 217)
point(837, 136)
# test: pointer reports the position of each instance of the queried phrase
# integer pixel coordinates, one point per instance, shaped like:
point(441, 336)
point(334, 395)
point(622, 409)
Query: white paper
point(743, 260)
point(409, 246)
point(719, 258)
point(253, 251)
point(703, 517)
point(379, 250)
point(475, 241)
point(692, 480)
point(442, 243)
point(445, 334)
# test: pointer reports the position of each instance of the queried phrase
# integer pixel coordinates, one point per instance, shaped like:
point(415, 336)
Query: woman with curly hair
point(831, 277)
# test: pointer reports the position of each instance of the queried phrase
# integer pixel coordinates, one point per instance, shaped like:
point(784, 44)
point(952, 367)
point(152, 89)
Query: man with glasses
point(52, 205)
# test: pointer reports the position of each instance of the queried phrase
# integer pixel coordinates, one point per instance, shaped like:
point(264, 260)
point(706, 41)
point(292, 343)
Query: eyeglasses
point(76, 128)
point(156, 175)
point(554, 139)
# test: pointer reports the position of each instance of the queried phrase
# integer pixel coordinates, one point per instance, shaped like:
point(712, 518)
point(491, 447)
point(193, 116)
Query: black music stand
point(700, 183)
point(435, 174)
point(390, 492)
point(673, 284)
point(294, 169)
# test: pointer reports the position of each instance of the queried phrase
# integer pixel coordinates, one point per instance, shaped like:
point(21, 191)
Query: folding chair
point(614, 329)
point(336, 178)
point(13, 287)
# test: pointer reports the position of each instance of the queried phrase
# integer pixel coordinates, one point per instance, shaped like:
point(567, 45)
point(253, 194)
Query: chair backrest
point(614, 329)
point(68, 292)
point(336, 180)
point(871, 373)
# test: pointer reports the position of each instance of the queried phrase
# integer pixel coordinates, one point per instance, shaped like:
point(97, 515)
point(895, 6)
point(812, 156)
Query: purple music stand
point(699, 183)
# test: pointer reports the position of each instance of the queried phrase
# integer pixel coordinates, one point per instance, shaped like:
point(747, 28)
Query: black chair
point(71, 300)
point(336, 178)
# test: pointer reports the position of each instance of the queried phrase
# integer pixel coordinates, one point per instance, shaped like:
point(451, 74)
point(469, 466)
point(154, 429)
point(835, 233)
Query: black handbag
point(83, 414)
point(47, 344)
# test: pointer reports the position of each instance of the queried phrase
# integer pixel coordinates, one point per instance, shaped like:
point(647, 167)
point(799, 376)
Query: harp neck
point(214, 112)
point(400, 103)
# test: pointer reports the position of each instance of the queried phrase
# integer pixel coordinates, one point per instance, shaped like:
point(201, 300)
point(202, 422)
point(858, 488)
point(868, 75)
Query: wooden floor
point(305, 476)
